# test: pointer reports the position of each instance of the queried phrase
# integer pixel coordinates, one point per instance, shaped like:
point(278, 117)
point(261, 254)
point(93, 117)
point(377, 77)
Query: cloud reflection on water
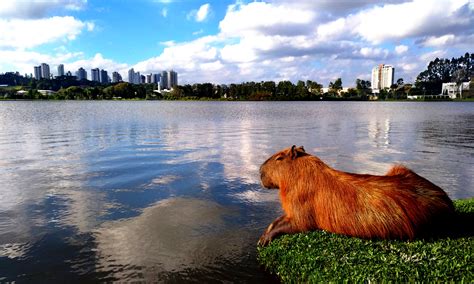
point(174, 235)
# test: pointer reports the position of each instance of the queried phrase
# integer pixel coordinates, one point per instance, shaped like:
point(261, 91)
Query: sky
point(225, 42)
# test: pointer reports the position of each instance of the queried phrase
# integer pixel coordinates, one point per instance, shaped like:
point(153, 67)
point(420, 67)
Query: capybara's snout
point(265, 178)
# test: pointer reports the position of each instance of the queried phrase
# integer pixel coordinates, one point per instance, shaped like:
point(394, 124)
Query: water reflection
point(170, 190)
point(176, 235)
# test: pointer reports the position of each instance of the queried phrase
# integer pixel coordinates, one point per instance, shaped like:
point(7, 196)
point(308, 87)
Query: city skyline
point(232, 42)
point(166, 79)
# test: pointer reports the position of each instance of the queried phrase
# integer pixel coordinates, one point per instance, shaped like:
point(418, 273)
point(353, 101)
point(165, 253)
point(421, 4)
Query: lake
point(170, 191)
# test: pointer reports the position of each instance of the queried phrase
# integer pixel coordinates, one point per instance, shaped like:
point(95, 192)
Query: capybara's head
point(275, 167)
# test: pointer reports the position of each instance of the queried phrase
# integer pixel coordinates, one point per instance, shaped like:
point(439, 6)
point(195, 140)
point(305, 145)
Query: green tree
point(441, 71)
point(301, 90)
point(336, 87)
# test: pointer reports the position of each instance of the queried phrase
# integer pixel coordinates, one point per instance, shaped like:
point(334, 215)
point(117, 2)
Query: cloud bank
point(276, 40)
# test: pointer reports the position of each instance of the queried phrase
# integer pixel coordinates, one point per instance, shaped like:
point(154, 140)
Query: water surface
point(169, 191)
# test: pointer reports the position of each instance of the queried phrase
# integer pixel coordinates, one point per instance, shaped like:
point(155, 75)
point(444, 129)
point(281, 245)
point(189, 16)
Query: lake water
point(169, 191)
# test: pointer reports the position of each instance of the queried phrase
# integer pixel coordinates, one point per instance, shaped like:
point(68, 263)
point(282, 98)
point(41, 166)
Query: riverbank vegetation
point(428, 82)
point(324, 257)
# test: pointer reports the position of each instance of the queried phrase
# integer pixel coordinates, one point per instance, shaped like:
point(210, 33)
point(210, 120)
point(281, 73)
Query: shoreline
point(320, 256)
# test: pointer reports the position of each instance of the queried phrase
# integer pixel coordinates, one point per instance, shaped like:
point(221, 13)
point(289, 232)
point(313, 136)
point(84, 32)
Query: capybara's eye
point(279, 158)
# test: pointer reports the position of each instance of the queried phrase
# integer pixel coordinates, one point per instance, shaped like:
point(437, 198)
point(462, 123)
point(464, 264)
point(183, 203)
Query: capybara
point(398, 205)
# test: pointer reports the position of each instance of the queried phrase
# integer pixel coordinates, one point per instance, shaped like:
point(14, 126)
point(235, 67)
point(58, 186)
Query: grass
point(325, 257)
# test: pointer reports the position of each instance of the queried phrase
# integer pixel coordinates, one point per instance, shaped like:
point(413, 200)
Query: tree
point(124, 90)
point(400, 82)
point(441, 71)
point(336, 87)
point(301, 90)
point(314, 88)
point(286, 90)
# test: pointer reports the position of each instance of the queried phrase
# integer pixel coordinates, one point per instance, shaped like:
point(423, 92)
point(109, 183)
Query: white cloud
point(97, 61)
point(400, 49)
point(439, 41)
point(201, 14)
point(198, 32)
point(26, 34)
point(164, 12)
point(265, 18)
point(428, 56)
point(373, 52)
point(36, 8)
point(401, 21)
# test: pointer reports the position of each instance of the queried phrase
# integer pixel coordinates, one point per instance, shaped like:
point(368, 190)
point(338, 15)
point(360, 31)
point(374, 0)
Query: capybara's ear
point(293, 153)
point(296, 151)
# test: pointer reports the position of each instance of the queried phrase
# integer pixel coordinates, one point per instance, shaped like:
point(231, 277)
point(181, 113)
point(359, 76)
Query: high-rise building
point(104, 77)
point(131, 76)
point(172, 79)
point(164, 80)
point(60, 70)
point(81, 74)
point(382, 77)
point(45, 71)
point(148, 78)
point(116, 77)
point(155, 78)
point(95, 75)
point(37, 72)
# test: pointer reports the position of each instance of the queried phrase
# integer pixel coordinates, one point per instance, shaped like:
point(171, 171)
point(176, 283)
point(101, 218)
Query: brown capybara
point(398, 205)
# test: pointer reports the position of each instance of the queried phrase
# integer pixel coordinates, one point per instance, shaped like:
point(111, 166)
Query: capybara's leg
point(282, 225)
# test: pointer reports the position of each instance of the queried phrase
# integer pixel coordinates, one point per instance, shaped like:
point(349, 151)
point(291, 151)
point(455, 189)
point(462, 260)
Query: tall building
point(37, 72)
point(172, 79)
point(95, 75)
point(148, 78)
point(164, 80)
point(45, 71)
point(60, 70)
point(116, 77)
point(81, 74)
point(155, 78)
point(382, 77)
point(131, 75)
point(104, 77)
point(134, 78)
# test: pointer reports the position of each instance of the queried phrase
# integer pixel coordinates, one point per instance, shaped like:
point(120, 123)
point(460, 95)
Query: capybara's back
point(398, 205)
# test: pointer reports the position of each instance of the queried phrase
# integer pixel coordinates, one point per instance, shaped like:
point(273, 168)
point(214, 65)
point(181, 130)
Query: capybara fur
point(398, 205)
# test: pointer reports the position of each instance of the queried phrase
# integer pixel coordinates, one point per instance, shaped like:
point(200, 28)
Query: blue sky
point(236, 41)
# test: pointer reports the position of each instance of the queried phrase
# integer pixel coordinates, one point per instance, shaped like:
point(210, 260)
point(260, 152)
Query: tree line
point(428, 82)
point(441, 71)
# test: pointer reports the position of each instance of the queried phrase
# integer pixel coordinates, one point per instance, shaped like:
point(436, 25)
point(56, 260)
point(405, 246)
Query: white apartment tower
point(382, 77)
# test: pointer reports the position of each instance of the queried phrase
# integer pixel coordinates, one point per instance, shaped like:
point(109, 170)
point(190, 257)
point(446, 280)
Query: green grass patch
point(321, 256)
